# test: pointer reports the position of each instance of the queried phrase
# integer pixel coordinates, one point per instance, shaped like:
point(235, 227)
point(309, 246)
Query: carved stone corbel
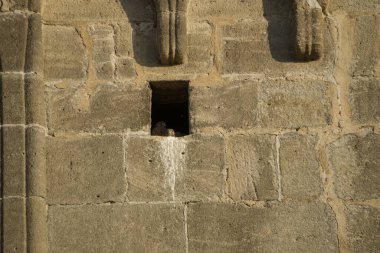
point(309, 30)
point(172, 31)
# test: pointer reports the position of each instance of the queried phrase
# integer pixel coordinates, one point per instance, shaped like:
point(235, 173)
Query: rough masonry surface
point(284, 115)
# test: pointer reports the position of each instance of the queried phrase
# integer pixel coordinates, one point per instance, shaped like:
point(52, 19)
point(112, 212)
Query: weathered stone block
point(295, 104)
point(204, 174)
point(175, 169)
point(109, 107)
point(355, 161)
point(125, 68)
point(363, 228)
point(299, 166)
point(13, 161)
point(88, 228)
point(13, 30)
point(148, 178)
point(365, 101)
point(65, 54)
point(85, 170)
point(366, 42)
point(244, 57)
point(246, 45)
point(117, 228)
point(230, 106)
point(155, 228)
point(280, 228)
point(14, 225)
point(12, 98)
point(252, 167)
point(95, 10)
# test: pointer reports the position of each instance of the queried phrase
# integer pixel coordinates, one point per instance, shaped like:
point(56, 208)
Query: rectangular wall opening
point(170, 108)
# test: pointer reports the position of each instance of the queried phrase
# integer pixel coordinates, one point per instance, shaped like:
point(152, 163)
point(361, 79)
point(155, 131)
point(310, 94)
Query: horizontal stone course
point(142, 10)
point(284, 104)
point(211, 227)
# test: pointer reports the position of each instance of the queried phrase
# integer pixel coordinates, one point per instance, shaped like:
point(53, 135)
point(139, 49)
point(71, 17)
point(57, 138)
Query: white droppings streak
point(173, 156)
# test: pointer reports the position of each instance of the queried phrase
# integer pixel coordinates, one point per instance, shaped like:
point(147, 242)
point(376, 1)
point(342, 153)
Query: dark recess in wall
point(170, 108)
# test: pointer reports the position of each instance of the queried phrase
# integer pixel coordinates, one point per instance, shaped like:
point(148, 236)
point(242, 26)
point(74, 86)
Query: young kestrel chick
point(171, 132)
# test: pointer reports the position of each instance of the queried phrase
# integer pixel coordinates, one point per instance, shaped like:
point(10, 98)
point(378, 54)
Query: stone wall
point(283, 154)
